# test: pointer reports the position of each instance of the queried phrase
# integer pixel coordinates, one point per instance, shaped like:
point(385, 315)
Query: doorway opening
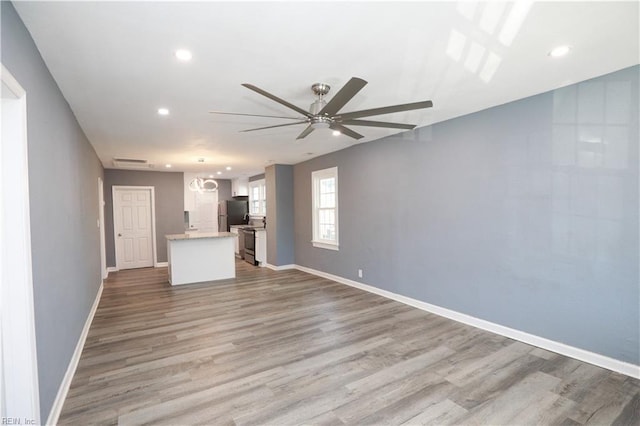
point(19, 391)
point(103, 249)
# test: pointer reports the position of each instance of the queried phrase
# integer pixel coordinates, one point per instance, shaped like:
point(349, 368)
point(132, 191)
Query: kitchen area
point(245, 216)
point(220, 227)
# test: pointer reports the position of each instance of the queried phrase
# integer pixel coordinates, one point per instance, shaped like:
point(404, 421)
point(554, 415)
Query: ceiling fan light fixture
point(320, 125)
point(321, 122)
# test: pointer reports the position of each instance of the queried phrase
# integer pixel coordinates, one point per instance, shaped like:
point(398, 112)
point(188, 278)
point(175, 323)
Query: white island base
point(195, 258)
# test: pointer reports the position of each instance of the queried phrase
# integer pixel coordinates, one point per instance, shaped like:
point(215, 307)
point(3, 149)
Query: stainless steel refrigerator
point(232, 212)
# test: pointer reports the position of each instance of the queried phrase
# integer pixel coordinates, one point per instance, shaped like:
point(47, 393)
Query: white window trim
point(315, 192)
point(261, 183)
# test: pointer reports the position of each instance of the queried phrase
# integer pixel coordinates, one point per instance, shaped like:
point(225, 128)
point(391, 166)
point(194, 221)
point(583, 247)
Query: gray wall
point(169, 197)
point(280, 238)
point(525, 215)
point(224, 189)
point(63, 196)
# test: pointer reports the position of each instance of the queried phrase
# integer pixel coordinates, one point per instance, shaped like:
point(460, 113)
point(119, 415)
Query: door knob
point(119, 235)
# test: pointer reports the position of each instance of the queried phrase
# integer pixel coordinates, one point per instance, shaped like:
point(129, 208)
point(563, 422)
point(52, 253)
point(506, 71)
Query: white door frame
point(151, 189)
point(19, 389)
point(103, 249)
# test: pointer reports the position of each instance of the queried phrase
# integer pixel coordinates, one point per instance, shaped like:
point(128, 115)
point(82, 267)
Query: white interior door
point(133, 228)
point(19, 399)
point(103, 249)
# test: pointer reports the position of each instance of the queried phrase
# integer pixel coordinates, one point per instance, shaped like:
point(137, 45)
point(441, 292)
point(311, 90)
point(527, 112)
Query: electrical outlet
point(359, 273)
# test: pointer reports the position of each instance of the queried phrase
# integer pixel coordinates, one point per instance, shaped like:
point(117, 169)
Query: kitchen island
point(199, 257)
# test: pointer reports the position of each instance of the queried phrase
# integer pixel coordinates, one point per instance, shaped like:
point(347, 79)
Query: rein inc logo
point(17, 421)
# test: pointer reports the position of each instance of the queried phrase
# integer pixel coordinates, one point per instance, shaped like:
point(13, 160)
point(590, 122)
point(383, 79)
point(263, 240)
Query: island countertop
point(201, 235)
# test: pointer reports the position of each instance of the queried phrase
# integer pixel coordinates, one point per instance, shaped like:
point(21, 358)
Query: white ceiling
point(115, 64)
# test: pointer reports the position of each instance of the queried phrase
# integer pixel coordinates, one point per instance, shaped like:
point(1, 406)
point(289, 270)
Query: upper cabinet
point(189, 195)
point(239, 187)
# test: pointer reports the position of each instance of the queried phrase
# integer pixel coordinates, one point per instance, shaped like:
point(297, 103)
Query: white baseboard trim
point(112, 269)
point(54, 414)
point(162, 264)
point(280, 267)
point(531, 339)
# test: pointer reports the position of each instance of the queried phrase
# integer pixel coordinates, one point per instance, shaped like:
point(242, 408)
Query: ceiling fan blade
point(385, 110)
point(305, 132)
point(378, 124)
point(345, 131)
point(277, 125)
point(343, 96)
point(277, 99)
point(253, 115)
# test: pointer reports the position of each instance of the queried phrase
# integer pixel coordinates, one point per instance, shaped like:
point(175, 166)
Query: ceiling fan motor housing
point(320, 89)
point(319, 121)
point(317, 106)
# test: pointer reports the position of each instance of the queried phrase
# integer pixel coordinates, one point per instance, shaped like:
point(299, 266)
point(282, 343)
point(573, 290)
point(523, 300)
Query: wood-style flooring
point(289, 348)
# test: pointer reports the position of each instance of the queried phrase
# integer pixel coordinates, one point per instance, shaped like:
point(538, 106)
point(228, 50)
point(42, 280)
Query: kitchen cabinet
point(189, 195)
point(261, 247)
point(239, 187)
point(194, 258)
point(202, 207)
point(204, 215)
point(234, 230)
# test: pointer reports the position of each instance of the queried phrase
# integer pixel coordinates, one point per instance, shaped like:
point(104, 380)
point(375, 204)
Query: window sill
point(327, 246)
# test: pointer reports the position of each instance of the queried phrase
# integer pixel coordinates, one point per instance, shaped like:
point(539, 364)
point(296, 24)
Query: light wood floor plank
point(288, 348)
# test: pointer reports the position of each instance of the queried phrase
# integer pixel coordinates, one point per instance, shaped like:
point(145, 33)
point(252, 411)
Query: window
point(325, 208)
point(257, 198)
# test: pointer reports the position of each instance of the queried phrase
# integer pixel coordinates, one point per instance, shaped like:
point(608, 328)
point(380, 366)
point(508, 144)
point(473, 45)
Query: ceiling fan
point(323, 114)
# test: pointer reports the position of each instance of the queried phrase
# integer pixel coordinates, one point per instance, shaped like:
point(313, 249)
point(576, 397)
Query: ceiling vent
point(131, 163)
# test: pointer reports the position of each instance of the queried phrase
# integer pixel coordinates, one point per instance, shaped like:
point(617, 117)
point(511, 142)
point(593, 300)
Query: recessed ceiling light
point(163, 111)
point(168, 166)
point(336, 133)
point(228, 167)
point(218, 173)
point(183, 55)
point(559, 51)
point(210, 176)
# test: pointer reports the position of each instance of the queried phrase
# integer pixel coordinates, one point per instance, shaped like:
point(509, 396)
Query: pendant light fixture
point(201, 184)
